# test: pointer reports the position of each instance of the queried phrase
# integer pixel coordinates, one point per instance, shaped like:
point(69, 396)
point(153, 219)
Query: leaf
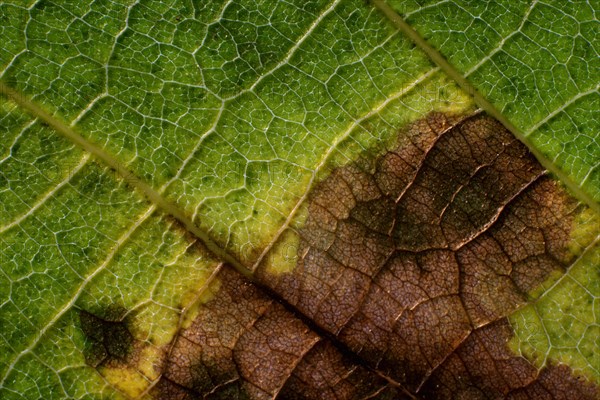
point(194, 203)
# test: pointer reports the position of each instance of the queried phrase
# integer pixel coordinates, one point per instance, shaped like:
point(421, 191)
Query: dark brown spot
point(108, 338)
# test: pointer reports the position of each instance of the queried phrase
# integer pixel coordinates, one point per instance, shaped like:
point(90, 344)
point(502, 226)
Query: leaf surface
point(232, 199)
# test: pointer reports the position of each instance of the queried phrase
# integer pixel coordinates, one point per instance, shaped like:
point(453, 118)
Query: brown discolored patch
point(245, 345)
point(409, 257)
point(484, 368)
point(326, 373)
point(556, 382)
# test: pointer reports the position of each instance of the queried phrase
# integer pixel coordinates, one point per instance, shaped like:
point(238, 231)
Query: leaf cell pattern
point(234, 111)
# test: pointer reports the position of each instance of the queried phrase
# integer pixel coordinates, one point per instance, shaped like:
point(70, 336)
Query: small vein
point(562, 107)
point(503, 41)
point(291, 52)
point(16, 140)
point(48, 195)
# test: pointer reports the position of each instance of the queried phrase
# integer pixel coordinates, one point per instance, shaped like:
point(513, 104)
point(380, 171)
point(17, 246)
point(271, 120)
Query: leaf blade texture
point(161, 166)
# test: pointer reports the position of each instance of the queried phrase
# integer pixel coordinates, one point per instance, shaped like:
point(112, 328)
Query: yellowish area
point(172, 304)
point(585, 230)
point(155, 324)
point(284, 255)
point(182, 283)
point(275, 201)
point(553, 277)
point(150, 362)
point(126, 379)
